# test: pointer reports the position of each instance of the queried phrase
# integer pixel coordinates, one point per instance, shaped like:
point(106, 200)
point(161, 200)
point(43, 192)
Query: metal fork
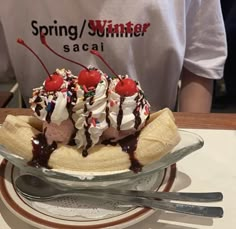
point(36, 189)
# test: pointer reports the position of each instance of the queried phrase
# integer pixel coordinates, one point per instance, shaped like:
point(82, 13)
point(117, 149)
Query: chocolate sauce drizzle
point(87, 134)
point(128, 145)
point(136, 112)
point(41, 151)
point(73, 99)
point(107, 117)
point(107, 108)
point(37, 109)
point(50, 111)
point(38, 99)
point(91, 100)
point(120, 113)
point(69, 106)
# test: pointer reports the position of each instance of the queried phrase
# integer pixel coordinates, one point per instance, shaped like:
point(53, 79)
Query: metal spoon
point(36, 189)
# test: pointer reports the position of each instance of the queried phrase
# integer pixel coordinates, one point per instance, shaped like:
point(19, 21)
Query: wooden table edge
point(206, 121)
point(183, 120)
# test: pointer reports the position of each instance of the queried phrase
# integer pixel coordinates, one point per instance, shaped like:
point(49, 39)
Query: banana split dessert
point(89, 122)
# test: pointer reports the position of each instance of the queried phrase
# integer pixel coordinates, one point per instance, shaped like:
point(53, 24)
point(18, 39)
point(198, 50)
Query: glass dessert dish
point(190, 142)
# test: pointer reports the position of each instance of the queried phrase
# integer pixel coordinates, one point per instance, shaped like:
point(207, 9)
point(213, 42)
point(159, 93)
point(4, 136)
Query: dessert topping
point(53, 83)
point(126, 87)
point(89, 78)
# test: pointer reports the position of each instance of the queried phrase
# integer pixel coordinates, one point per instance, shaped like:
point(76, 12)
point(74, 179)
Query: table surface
point(210, 169)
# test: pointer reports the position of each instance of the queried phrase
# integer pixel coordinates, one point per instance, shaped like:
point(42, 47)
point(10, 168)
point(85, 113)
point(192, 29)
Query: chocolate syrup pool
point(42, 150)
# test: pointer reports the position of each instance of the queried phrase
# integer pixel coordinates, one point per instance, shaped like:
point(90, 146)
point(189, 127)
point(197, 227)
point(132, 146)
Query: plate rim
point(140, 213)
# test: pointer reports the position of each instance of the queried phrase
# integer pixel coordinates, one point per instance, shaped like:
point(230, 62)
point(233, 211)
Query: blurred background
point(224, 99)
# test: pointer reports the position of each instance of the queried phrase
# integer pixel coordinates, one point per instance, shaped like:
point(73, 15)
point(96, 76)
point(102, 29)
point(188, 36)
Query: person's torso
point(144, 39)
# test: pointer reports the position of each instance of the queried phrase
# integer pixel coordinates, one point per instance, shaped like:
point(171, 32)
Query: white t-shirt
point(151, 41)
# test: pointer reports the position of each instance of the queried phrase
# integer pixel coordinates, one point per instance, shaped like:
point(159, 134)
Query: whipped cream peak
point(54, 106)
point(127, 112)
point(90, 112)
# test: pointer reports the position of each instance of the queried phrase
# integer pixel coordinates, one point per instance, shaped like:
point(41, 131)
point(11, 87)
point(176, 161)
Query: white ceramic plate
point(71, 213)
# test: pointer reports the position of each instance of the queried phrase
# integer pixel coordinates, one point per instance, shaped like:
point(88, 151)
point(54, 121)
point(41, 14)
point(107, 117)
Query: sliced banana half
point(157, 138)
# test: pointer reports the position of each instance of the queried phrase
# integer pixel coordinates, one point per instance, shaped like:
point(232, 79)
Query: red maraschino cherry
point(53, 82)
point(87, 77)
point(125, 87)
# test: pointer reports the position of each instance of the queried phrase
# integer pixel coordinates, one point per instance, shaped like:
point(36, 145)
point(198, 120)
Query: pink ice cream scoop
point(60, 133)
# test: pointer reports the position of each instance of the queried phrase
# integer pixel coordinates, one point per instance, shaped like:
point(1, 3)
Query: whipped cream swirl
point(90, 113)
point(127, 113)
point(54, 106)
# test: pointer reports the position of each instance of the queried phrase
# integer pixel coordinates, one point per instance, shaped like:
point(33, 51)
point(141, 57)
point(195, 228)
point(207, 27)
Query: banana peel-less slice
point(16, 135)
point(156, 139)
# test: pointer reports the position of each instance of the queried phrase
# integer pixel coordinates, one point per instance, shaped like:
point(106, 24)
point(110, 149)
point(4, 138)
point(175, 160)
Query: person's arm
point(205, 55)
point(195, 93)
